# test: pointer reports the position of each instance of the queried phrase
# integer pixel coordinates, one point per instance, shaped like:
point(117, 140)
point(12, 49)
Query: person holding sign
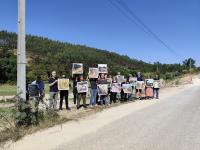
point(53, 91)
point(82, 91)
point(93, 91)
point(75, 80)
point(113, 94)
point(156, 87)
point(149, 88)
point(63, 86)
point(139, 89)
point(103, 97)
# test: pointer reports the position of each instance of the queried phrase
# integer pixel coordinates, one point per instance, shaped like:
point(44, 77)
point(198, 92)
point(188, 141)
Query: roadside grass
point(7, 90)
point(10, 90)
point(47, 119)
point(8, 130)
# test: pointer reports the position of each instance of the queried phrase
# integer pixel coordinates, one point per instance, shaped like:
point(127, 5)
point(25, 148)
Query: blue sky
point(96, 23)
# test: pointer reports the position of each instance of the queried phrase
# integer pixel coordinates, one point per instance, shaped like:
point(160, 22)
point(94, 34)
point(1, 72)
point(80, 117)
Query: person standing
point(123, 95)
point(148, 90)
point(81, 96)
point(113, 95)
point(53, 91)
point(93, 91)
point(64, 95)
point(139, 91)
point(156, 88)
point(40, 85)
point(75, 79)
point(103, 98)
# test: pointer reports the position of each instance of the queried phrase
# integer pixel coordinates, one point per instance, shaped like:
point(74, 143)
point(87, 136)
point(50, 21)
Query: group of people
point(95, 98)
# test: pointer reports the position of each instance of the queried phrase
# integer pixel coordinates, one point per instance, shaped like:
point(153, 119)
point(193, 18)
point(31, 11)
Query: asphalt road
point(172, 124)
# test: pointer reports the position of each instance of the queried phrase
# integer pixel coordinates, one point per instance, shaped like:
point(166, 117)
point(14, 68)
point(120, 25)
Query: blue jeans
point(156, 93)
point(104, 99)
point(93, 93)
point(130, 96)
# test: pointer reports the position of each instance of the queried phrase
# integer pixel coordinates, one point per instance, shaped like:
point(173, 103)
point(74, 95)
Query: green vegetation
point(45, 55)
point(9, 130)
point(6, 90)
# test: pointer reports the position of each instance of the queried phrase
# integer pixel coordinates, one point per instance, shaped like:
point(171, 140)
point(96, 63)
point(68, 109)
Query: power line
point(131, 19)
point(141, 23)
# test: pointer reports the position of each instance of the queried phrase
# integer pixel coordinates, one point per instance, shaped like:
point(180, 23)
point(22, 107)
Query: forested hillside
point(45, 55)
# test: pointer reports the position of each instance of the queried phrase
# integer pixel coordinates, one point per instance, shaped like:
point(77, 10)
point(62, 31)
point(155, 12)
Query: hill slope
point(45, 55)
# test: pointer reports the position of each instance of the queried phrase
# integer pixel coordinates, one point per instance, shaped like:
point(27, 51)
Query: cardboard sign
point(82, 87)
point(132, 79)
point(77, 68)
point(127, 88)
point(120, 78)
point(102, 89)
point(116, 88)
point(156, 83)
point(109, 81)
point(63, 84)
point(149, 82)
point(140, 85)
point(93, 73)
point(103, 68)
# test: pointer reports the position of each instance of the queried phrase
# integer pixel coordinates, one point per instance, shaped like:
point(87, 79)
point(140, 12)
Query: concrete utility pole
point(21, 51)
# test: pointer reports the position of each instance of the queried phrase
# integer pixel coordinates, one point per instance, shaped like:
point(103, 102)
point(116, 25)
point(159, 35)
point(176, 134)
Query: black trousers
point(75, 93)
point(64, 95)
point(113, 97)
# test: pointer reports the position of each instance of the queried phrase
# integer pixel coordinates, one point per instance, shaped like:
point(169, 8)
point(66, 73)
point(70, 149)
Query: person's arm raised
point(51, 84)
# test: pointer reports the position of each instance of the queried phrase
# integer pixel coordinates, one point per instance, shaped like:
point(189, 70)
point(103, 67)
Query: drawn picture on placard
point(149, 82)
point(109, 82)
point(93, 73)
point(63, 84)
point(103, 68)
point(77, 68)
point(120, 78)
point(156, 83)
point(127, 88)
point(102, 89)
point(140, 85)
point(82, 87)
point(116, 87)
point(133, 81)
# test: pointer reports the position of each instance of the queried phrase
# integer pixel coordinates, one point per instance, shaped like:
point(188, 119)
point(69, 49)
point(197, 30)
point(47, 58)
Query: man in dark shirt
point(53, 91)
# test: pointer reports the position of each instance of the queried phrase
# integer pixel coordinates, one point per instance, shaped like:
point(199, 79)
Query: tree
point(189, 63)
